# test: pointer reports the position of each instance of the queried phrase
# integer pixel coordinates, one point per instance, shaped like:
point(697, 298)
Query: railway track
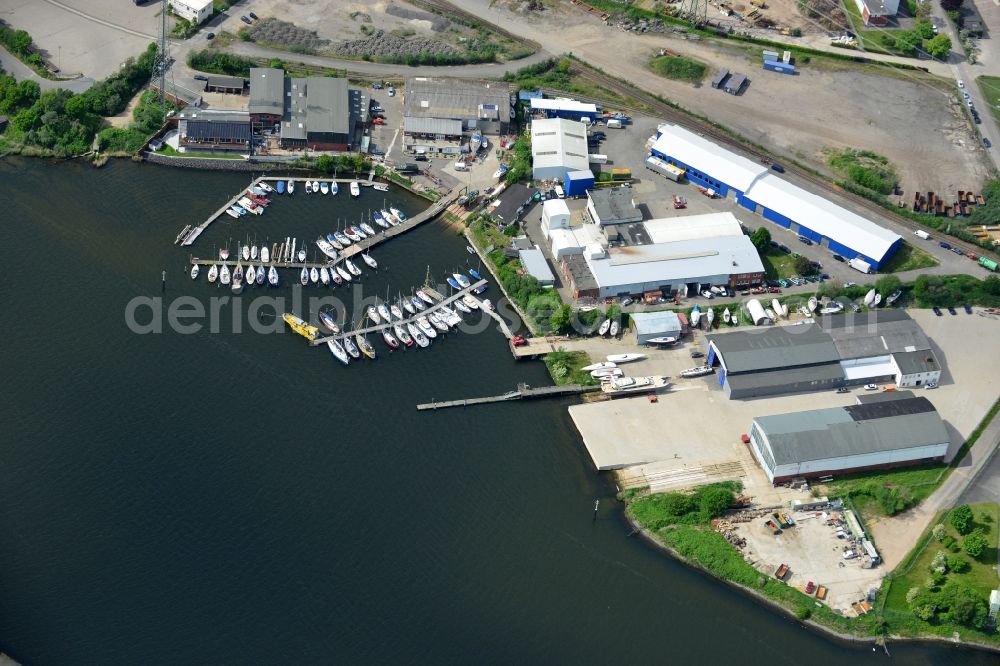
point(672, 114)
point(453, 11)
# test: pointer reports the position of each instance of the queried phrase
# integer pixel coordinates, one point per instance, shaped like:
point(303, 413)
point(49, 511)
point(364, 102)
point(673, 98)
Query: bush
point(939, 532)
point(217, 62)
point(958, 564)
point(976, 543)
point(961, 519)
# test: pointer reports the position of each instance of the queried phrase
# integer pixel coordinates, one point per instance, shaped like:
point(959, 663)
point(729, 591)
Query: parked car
point(246, 20)
point(420, 158)
point(777, 167)
point(951, 310)
point(968, 308)
point(377, 86)
point(837, 257)
point(518, 341)
point(986, 142)
point(843, 389)
point(848, 285)
point(773, 243)
point(378, 152)
point(824, 276)
point(784, 248)
point(599, 135)
point(937, 310)
point(946, 246)
point(961, 84)
point(783, 283)
point(871, 387)
point(697, 354)
point(378, 121)
point(201, 77)
point(392, 91)
point(931, 385)
point(627, 301)
point(707, 294)
point(210, 35)
point(803, 239)
point(253, 16)
point(958, 251)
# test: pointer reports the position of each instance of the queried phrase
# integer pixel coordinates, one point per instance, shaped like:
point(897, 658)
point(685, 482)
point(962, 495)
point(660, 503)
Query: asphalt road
point(22, 72)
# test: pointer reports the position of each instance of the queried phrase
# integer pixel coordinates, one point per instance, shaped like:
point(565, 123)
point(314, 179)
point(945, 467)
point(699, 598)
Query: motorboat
point(893, 297)
point(326, 318)
point(232, 213)
point(475, 274)
point(438, 323)
point(301, 327)
point(395, 311)
point(453, 283)
point(237, 285)
point(422, 295)
point(449, 316)
point(603, 365)
point(619, 386)
point(710, 317)
point(486, 143)
point(291, 187)
point(265, 254)
point(327, 249)
point(407, 305)
point(418, 304)
point(367, 228)
point(309, 187)
point(352, 267)
point(224, 276)
point(390, 340)
point(663, 340)
point(362, 234)
point(245, 253)
point(367, 258)
point(251, 275)
point(615, 326)
point(344, 275)
point(352, 234)
point(332, 240)
point(812, 304)
point(470, 249)
point(334, 188)
point(462, 307)
point(194, 271)
point(834, 307)
point(355, 189)
point(373, 315)
point(501, 172)
point(625, 358)
point(421, 339)
point(425, 325)
point(213, 273)
point(870, 297)
point(699, 371)
point(383, 312)
point(475, 142)
point(304, 276)
point(607, 372)
point(351, 348)
point(281, 187)
point(314, 275)
point(398, 214)
point(403, 335)
point(365, 346)
point(338, 351)
point(390, 218)
point(473, 304)
point(302, 252)
point(324, 275)
point(727, 316)
point(462, 280)
point(604, 327)
point(272, 276)
point(878, 299)
point(239, 210)
point(265, 186)
point(695, 316)
point(324, 187)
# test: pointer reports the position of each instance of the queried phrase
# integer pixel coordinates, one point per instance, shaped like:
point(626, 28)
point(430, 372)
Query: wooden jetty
point(523, 392)
point(380, 327)
point(257, 262)
point(410, 223)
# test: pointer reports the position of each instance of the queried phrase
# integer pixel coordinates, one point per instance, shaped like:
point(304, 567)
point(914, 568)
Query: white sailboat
point(304, 276)
point(369, 260)
point(695, 316)
point(338, 351)
point(324, 275)
point(355, 189)
point(614, 329)
point(869, 297)
point(251, 275)
point(710, 317)
point(272, 276)
point(314, 275)
point(813, 304)
point(878, 299)
point(776, 306)
point(224, 276)
point(604, 327)
point(194, 271)
point(213, 273)
point(265, 254)
point(727, 316)
point(625, 358)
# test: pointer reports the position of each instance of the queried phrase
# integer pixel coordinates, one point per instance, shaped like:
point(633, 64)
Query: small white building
point(574, 240)
point(534, 263)
point(692, 227)
point(558, 146)
point(195, 11)
point(555, 215)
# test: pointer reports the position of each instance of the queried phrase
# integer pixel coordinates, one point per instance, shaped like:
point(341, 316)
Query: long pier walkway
point(189, 234)
point(523, 392)
point(442, 301)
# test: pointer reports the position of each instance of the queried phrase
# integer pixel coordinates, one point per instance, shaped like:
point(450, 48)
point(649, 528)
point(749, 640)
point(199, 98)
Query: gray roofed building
point(916, 362)
point(267, 91)
point(612, 206)
point(326, 105)
point(444, 126)
point(893, 431)
point(582, 281)
point(537, 267)
point(873, 333)
point(513, 198)
point(225, 83)
point(477, 104)
point(779, 347)
point(785, 380)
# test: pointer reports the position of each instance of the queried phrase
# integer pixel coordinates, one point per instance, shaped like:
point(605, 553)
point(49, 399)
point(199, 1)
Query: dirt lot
point(907, 117)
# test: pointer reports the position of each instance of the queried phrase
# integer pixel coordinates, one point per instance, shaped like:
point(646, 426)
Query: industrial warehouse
point(842, 350)
point(558, 147)
point(753, 186)
point(879, 432)
point(441, 115)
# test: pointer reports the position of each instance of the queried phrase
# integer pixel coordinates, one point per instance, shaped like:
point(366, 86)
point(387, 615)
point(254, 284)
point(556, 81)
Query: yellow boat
point(301, 327)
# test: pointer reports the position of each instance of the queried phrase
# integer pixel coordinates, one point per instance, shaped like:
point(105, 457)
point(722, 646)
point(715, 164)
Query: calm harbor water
point(242, 498)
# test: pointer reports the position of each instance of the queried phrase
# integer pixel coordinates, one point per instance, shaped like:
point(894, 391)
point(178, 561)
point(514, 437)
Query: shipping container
point(577, 183)
point(597, 158)
point(669, 170)
point(621, 174)
point(770, 55)
point(780, 67)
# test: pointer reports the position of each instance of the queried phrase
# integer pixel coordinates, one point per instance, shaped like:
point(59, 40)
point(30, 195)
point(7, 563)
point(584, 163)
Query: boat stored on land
point(625, 358)
point(617, 386)
point(699, 371)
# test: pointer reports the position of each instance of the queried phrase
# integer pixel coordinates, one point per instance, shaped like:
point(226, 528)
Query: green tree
point(906, 42)
point(562, 318)
point(961, 519)
point(803, 266)
point(924, 29)
point(887, 284)
point(939, 46)
point(958, 564)
point(714, 501)
point(975, 543)
point(20, 42)
point(761, 239)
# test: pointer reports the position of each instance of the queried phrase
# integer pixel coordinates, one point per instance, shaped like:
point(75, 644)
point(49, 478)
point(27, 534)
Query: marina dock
point(257, 262)
point(442, 301)
point(189, 234)
point(523, 392)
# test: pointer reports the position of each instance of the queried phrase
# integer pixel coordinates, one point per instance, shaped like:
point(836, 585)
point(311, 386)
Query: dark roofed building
point(894, 430)
point(234, 85)
point(201, 129)
point(612, 205)
point(320, 116)
point(267, 95)
point(514, 201)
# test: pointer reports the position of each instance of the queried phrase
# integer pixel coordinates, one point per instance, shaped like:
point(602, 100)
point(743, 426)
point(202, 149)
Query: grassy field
point(914, 584)
point(990, 87)
point(778, 265)
point(908, 258)
point(170, 152)
point(565, 367)
point(679, 68)
point(888, 493)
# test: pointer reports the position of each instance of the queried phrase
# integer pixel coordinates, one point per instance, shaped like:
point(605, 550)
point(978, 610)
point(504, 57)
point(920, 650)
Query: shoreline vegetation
point(680, 523)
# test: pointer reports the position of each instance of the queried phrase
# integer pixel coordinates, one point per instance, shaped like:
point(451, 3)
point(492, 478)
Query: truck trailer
point(860, 265)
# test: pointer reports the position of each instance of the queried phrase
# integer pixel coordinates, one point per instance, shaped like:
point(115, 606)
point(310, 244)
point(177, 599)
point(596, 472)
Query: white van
point(461, 166)
point(922, 234)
